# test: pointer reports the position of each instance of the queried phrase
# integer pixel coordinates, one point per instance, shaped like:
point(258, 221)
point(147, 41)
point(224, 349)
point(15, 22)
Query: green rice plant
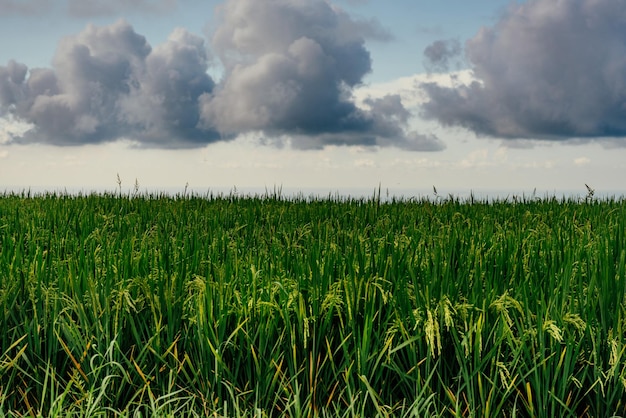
point(232, 305)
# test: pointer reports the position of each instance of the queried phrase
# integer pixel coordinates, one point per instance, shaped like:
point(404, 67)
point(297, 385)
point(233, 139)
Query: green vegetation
point(262, 306)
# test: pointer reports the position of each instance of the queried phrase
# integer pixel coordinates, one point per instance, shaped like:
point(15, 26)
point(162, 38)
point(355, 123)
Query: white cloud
point(409, 88)
point(10, 128)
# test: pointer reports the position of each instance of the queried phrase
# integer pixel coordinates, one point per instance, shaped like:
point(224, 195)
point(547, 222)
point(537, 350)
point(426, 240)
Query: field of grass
point(227, 306)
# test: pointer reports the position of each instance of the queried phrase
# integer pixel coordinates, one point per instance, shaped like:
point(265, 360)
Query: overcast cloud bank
point(549, 69)
point(290, 67)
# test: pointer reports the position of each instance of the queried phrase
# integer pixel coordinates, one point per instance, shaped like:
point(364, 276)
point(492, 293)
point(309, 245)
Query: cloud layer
point(548, 70)
point(290, 67)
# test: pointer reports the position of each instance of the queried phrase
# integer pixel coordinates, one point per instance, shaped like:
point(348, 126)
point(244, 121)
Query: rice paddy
point(231, 306)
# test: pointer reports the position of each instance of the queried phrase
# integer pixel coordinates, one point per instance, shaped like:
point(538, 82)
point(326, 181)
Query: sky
point(489, 96)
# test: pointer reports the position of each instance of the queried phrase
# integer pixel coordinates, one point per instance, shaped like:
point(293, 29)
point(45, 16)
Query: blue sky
point(355, 93)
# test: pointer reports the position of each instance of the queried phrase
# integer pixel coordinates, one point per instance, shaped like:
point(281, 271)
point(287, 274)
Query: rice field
point(263, 306)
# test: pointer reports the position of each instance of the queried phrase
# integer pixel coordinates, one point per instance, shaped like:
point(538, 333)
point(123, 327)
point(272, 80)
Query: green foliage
point(160, 305)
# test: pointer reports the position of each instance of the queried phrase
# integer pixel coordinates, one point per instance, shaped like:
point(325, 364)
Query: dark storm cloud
point(387, 127)
point(108, 83)
point(548, 69)
point(166, 98)
point(290, 67)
